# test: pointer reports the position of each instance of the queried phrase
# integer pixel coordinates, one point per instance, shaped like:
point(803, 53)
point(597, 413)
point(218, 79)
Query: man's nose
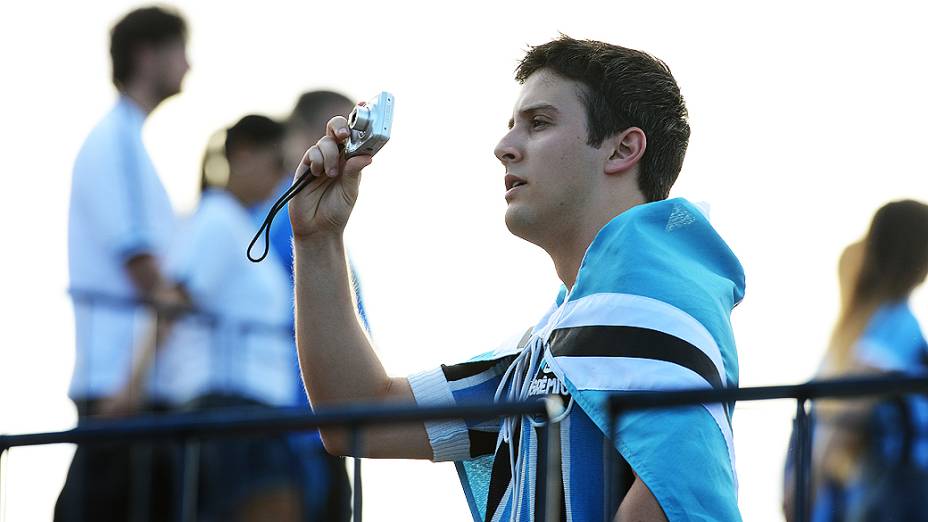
point(506, 151)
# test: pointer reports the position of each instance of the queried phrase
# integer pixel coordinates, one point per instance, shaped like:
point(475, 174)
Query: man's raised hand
point(325, 205)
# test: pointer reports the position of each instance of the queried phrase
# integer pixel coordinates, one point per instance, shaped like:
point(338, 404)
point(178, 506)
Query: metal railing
point(104, 300)
point(185, 427)
point(846, 388)
point(189, 426)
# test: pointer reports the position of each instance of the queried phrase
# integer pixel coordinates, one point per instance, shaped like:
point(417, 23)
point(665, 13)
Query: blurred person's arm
point(338, 363)
point(169, 302)
point(145, 275)
point(153, 289)
point(887, 346)
point(849, 266)
point(841, 427)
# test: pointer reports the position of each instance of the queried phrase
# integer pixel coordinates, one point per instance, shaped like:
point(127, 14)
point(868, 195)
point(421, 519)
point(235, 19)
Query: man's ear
point(627, 149)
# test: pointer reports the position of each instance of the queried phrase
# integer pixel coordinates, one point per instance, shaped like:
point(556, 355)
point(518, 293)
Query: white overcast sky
point(806, 117)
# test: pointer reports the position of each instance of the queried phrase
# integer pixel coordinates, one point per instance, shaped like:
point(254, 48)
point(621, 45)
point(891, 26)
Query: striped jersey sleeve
point(465, 383)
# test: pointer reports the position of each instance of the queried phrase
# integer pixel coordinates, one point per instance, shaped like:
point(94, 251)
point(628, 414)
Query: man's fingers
point(330, 155)
point(306, 163)
point(302, 167)
point(337, 128)
point(324, 158)
point(315, 160)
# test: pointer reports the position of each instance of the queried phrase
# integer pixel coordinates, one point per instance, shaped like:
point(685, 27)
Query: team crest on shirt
point(547, 383)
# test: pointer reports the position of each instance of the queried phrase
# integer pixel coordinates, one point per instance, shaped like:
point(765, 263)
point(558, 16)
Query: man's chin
point(517, 223)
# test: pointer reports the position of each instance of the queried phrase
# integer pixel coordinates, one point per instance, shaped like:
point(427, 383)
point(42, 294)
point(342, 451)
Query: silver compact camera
point(370, 125)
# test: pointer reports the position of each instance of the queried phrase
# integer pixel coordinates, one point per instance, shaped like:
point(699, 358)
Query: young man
point(596, 140)
point(120, 216)
point(242, 355)
point(119, 224)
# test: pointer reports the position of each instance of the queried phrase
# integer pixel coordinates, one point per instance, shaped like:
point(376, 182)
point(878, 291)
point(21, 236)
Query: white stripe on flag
point(633, 374)
point(610, 309)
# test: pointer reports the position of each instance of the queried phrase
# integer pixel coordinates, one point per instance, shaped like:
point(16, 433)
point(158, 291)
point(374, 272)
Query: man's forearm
point(336, 358)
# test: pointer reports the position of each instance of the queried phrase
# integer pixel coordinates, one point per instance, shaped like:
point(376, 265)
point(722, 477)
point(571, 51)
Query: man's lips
point(513, 182)
point(512, 185)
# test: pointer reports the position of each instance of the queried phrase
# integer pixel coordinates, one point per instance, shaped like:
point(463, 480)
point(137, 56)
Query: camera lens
point(359, 118)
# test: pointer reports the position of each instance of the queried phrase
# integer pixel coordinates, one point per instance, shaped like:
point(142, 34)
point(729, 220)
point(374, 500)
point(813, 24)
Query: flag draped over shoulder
point(650, 310)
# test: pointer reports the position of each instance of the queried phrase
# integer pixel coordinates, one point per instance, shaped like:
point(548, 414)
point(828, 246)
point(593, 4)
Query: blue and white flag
point(650, 310)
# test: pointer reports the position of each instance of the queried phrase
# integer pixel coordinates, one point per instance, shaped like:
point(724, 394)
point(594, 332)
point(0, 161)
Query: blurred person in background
point(870, 457)
point(326, 490)
point(120, 222)
point(236, 351)
point(305, 127)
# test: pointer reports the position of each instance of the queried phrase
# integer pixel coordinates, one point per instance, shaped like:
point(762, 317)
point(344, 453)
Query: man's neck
point(567, 254)
point(143, 96)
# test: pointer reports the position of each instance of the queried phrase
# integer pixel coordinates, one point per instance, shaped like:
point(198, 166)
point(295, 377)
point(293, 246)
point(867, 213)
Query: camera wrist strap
point(281, 202)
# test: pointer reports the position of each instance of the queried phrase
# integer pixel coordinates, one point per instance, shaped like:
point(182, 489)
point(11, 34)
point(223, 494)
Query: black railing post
point(190, 480)
point(611, 487)
point(356, 492)
point(803, 461)
point(180, 508)
point(541, 473)
point(140, 481)
point(3, 458)
point(551, 505)
point(83, 474)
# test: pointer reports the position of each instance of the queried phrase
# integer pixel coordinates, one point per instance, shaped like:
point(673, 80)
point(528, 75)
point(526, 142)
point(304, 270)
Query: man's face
point(170, 65)
point(258, 171)
point(551, 172)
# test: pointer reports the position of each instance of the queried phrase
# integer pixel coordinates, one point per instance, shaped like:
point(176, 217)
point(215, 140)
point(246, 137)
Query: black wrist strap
point(281, 202)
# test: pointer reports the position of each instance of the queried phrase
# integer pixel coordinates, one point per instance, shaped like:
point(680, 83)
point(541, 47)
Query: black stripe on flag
point(482, 442)
point(500, 477)
point(469, 369)
point(634, 342)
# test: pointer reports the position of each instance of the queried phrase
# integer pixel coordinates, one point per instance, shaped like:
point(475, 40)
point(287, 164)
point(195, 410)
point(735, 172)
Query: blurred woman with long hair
point(877, 274)
point(870, 457)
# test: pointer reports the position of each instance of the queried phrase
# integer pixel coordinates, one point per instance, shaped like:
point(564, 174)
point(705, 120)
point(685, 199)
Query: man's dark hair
point(253, 130)
point(623, 88)
point(309, 107)
point(148, 26)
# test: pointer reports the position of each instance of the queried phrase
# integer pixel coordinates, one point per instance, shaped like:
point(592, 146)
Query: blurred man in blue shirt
point(120, 222)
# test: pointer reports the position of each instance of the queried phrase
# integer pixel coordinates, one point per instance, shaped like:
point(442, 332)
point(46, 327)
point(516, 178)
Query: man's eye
point(539, 123)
